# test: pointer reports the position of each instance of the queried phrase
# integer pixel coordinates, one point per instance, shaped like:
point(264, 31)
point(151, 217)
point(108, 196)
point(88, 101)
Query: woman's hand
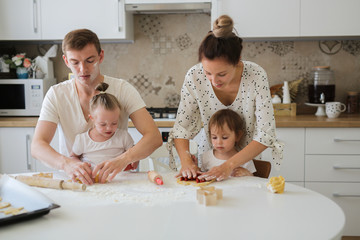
point(79, 170)
point(219, 173)
point(189, 168)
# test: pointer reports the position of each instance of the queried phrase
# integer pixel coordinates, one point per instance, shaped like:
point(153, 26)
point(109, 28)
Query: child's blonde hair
point(230, 118)
point(103, 99)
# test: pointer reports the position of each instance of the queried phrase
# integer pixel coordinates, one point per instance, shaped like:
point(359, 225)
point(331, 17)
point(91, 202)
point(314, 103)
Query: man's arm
point(151, 139)
point(41, 150)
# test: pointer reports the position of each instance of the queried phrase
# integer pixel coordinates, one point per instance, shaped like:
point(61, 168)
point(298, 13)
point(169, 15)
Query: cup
point(333, 109)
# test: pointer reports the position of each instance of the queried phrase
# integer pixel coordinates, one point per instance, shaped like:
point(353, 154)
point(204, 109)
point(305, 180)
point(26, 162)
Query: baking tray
point(19, 194)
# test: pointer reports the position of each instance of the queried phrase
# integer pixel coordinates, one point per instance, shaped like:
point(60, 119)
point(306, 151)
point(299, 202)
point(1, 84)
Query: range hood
point(163, 8)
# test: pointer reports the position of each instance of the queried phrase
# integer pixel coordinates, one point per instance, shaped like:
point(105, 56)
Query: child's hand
point(219, 173)
point(241, 172)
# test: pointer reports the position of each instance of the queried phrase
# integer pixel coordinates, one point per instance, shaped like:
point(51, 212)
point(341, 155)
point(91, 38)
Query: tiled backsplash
point(166, 47)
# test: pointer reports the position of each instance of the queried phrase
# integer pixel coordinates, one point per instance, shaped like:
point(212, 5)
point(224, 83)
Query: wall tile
point(166, 47)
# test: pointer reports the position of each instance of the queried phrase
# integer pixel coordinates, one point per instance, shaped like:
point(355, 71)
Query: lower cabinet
point(292, 167)
point(332, 168)
point(15, 153)
point(15, 150)
point(326, 160)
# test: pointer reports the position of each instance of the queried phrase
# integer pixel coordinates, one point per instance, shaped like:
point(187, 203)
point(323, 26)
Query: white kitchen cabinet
point(15, 154)
point(261, 18)
point(291, 18)
point(20, 20)
point(107, 18)
point(163, 1)
point(330, 18)
point(332, 167)
point(292, 167)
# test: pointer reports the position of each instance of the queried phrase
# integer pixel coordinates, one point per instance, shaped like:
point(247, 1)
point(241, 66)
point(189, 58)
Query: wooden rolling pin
point(50, 183)
point(155, 178)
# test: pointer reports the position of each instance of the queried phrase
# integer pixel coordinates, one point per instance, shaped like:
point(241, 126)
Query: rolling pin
point(50, 183)
point(155, 178)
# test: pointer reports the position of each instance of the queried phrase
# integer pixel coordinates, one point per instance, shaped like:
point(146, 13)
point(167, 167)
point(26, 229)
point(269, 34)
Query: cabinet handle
point(119, 16)
point(28, 155)
point(35, 20)
point(346, 140)
point(345, 195)
point(344, 167)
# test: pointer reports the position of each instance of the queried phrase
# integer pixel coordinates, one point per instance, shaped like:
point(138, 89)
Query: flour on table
point(135, 188)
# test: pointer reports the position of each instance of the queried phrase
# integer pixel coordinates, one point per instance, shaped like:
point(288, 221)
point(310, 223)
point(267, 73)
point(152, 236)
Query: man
point(66, 105)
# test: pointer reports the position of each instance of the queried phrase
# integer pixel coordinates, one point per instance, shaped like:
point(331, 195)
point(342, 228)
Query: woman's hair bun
point(223, 27)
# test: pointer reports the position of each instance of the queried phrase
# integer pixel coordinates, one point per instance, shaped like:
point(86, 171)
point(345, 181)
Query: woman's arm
point(41, 150)
point(188, 167)
point(150, 141)
point(223, 171)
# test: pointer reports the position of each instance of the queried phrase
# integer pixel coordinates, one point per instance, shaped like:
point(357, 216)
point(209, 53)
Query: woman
point(222, 80)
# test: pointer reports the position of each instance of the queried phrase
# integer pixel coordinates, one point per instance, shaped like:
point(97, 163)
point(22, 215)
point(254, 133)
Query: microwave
point(23, 97)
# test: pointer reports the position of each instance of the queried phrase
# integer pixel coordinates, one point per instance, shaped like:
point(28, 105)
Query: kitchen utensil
point(286, 93)
point(19, 195)
point(50, 183)
point(333, 109)
point(320, 111)
point(352, 102)
point(155, 178)
point(322, 81)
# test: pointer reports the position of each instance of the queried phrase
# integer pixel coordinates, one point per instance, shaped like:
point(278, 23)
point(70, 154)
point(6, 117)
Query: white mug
point(333, 109)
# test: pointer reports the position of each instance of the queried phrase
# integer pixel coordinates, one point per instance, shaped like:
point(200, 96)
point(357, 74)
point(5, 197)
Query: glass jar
point(322, 81)
point(352, 103)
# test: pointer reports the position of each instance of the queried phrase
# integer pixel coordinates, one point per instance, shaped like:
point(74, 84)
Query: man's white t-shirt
point(62, 106)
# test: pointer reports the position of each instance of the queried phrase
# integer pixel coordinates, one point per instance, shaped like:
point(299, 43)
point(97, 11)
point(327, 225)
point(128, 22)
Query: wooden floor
point(351, 238)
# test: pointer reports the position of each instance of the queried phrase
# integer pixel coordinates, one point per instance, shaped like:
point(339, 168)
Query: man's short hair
point(78, 39)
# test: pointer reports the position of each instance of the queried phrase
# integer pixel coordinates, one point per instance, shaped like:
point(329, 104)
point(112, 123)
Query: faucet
point(322, 98)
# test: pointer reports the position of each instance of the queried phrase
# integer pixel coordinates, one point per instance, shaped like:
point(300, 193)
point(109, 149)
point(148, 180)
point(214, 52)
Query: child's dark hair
point(106, 100)
point(228, 117)
point(221, 42)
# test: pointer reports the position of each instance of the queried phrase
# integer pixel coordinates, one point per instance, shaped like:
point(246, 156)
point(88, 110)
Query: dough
point(4, 205)
point(45, 175)
point(194, 183)
point(13, 210)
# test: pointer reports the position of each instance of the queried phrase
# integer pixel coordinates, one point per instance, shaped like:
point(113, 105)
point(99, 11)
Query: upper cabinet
point(20, 20)
point(106, 18)
point(52, 19)
point(261, 18)
point(291, 18)
point(330, 18)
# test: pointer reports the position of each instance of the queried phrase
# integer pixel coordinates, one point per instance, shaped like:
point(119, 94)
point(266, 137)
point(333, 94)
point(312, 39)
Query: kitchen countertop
point(311, 121)
point(131, 207)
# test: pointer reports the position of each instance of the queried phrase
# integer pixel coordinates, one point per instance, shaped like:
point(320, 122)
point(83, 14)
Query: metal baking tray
point(19, 194)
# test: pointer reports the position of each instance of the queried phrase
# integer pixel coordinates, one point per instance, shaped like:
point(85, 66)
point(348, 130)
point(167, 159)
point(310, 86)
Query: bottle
point(286, 93)
point(352, 103)
point(322, 81)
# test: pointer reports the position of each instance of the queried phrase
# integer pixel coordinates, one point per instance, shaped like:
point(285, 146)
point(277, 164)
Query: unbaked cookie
point(13, 210)
point(194, 183)
point(4, 205)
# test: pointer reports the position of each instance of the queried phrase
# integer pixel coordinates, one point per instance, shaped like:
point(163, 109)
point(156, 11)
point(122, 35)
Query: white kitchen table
point(131, 207)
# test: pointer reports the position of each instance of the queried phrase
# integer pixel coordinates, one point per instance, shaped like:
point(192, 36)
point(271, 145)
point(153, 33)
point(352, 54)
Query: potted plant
point(21, 63)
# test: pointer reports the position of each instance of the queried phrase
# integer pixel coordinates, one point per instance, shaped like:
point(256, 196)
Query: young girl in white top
point(104, 140)
point(225, 130)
